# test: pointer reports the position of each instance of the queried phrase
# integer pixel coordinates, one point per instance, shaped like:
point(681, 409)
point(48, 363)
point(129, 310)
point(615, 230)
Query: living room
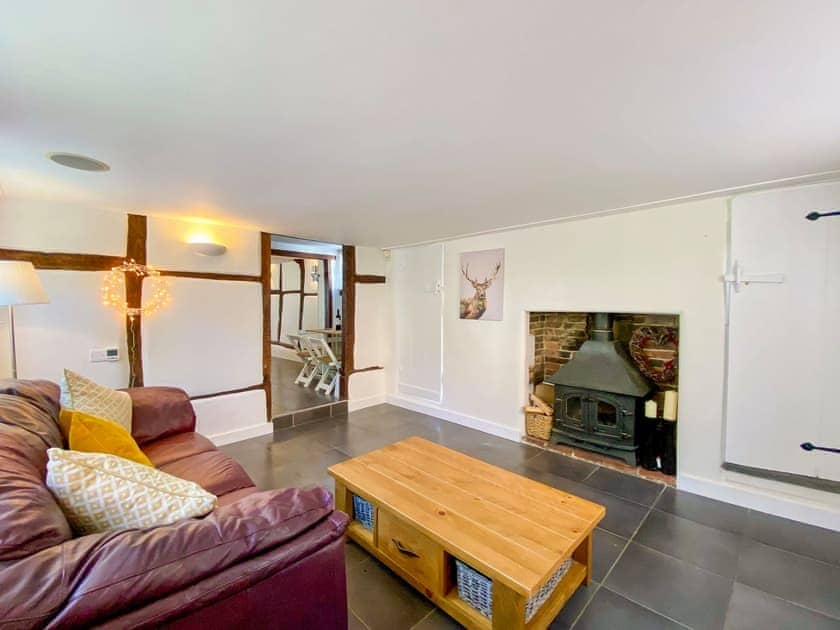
point(571, 313)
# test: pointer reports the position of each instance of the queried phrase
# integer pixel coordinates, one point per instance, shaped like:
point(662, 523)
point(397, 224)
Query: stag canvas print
point(482, 284)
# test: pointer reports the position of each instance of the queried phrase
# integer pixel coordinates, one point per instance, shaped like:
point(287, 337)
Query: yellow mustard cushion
point(65, 417)
point(90, 434)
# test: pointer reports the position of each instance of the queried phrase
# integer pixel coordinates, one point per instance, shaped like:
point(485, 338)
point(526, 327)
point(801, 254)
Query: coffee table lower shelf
point(451, 603)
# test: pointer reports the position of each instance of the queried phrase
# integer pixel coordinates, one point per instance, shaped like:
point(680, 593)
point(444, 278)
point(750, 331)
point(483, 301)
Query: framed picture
point(482, 284)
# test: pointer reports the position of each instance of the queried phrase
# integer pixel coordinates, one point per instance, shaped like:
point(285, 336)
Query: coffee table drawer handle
point(403, 549)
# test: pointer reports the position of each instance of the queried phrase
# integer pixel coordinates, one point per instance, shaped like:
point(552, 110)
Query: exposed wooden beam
point(302, 267)
point(370, 279)
point(288, 253)
point(135, 250)
point(63, 261)
point(328, 294)
point(235, 277)
point(348, 321)
point(265, 277)
point(279, 302)
point(250, 388)
point(372, 368)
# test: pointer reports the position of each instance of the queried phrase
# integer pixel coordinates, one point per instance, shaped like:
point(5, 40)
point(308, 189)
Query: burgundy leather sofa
point(270, 559)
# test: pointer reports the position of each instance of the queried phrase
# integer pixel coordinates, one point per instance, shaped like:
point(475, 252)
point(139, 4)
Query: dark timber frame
point(135, 249)
point(348, 307)
point(299, 258)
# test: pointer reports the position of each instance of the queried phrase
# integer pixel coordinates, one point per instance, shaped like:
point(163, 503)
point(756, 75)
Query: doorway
point(305, 330)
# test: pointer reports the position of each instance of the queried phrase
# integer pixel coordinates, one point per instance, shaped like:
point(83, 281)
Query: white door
point(418, 319)
point(828, 464)
point(784, 339)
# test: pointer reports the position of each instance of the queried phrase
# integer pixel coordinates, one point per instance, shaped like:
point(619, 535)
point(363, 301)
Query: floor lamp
point(19, 284)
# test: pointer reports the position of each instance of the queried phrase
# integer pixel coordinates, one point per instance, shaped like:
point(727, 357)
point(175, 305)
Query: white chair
point(328, 366)
point(311, 364)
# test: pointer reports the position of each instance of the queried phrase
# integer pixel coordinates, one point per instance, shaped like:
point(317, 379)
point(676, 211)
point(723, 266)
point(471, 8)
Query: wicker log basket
point(537, 424)
point(538, 419)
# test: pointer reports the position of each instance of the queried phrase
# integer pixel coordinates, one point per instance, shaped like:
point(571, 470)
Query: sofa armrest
point(159, 411)
point(107, 574)
point(301, 585)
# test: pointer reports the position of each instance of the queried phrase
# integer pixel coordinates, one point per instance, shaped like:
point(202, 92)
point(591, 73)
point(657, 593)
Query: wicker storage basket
point(477, 589)
point(363, 512)
point(537, 423)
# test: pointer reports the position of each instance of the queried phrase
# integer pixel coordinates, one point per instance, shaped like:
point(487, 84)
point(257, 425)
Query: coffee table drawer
point(418, 554)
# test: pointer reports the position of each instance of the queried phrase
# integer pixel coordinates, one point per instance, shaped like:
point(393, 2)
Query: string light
point(155, 286)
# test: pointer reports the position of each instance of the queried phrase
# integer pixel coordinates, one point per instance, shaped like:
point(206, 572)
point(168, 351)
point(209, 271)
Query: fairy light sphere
point(155, 286)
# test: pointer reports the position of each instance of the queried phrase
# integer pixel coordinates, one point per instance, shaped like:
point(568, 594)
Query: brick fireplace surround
point(558, 335)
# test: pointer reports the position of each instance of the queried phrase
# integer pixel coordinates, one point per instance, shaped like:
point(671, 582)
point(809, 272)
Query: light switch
point(99, 355)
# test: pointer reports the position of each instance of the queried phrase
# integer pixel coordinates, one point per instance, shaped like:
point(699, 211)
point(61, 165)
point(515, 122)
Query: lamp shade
point(19, 284)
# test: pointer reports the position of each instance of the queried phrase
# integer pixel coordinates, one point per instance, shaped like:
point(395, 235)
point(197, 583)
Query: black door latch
point(807, 446)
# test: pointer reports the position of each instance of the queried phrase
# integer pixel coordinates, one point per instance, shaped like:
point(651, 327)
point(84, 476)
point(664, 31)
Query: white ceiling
point(383, 122)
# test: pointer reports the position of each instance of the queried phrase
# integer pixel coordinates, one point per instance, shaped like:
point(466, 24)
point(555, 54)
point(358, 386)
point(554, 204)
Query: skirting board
point(424, 406)
point(368, 401)
point(762, 501)
point(229, 437)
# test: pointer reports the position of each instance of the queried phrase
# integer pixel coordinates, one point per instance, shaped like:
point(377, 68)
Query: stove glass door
point(607, 418)
point(573, 411)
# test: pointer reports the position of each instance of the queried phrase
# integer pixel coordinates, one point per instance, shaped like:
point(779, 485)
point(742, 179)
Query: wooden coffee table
point(432, 505)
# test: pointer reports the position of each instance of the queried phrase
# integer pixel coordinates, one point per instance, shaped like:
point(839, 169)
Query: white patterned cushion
point(82, 394)
point(100, 492)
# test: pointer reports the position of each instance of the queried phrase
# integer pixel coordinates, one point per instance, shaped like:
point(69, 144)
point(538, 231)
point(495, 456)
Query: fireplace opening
point(610, 382)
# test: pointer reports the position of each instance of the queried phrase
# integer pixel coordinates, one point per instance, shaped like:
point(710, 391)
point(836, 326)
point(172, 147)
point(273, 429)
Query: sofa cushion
point(301, 584)
point(43, 419)
point(30, 518)
point(100, 492)
point(160, 411)
point(214, 471)
point(174, 447)
point(90, 434)
point(96, 577)
point(236, 495)
point(82, 394)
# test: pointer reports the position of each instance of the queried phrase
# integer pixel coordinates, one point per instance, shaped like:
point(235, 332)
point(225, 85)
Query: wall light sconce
point(203, 245)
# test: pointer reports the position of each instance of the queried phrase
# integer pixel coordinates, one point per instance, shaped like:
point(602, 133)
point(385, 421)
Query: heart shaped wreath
point(658, 338)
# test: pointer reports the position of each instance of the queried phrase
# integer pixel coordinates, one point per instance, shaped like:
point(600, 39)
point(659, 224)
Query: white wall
point(54, 227)
point(60, 334)
point(166, 247)
point(668, 259)
point(233, 417)
point(373, 324)
point(209, 339)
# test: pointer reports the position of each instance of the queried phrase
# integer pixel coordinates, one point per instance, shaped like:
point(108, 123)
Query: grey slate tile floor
point(663, 558)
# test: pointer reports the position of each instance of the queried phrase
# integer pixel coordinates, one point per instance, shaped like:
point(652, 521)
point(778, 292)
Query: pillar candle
point(650, 409)
point(669, 409)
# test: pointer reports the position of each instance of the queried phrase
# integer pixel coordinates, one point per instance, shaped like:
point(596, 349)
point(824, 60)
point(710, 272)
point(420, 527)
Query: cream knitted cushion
point(82, 394)
point(99, 492)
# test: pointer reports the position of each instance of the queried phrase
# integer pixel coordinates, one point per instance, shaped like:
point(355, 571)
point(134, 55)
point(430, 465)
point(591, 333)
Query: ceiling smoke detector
point(80, 162)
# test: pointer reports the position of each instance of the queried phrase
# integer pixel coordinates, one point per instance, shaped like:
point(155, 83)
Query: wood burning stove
point(599, 396)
